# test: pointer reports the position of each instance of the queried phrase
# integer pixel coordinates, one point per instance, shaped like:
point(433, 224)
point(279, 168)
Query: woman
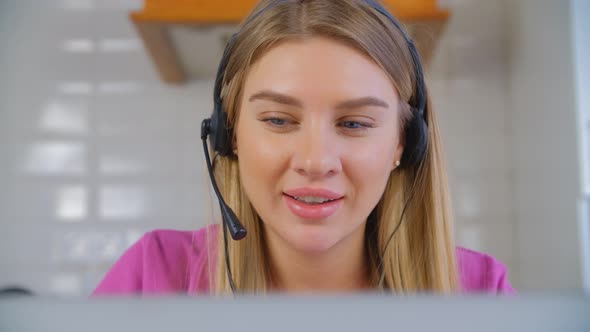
point(328, 151)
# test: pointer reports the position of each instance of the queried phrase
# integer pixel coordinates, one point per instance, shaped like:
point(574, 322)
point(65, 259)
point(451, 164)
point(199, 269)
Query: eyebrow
point(291, 101)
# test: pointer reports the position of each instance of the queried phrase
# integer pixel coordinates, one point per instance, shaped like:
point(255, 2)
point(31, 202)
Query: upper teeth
point(312, 199)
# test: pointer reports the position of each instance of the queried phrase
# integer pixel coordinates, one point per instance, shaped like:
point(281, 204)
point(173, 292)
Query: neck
point(342, 268)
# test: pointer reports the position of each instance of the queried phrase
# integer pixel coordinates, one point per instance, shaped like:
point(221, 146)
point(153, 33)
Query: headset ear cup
point(416, 141)
point(220, 134)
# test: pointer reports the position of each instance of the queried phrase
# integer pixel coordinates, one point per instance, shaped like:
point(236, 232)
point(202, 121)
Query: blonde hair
point(420, 257)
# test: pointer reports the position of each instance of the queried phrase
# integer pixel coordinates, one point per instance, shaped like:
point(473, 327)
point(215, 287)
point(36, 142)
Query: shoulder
point(162, 261)
point(482, 273)
point(167, 244)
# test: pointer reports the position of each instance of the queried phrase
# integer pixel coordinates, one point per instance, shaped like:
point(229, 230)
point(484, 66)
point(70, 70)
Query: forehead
point(317, 67)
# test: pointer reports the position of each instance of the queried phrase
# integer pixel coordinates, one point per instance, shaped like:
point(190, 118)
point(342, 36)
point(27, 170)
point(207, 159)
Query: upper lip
point(316, 192)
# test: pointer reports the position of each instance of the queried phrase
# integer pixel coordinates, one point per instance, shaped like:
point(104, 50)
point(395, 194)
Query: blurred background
point(100, 118)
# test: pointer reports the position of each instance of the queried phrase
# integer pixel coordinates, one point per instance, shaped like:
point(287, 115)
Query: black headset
point(216, 127)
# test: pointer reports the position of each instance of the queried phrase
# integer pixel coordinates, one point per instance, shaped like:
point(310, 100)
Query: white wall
point(581, 45)
point(468, 83)
point(94, 150)
point(546, 179)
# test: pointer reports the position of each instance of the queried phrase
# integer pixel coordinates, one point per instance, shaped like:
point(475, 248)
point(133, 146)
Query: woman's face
point(318, 121)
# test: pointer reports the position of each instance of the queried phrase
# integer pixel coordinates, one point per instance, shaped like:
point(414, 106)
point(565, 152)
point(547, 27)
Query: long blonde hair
point(420, 257)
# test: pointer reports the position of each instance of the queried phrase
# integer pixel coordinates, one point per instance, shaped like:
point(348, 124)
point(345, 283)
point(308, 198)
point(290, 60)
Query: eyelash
point(362, 125)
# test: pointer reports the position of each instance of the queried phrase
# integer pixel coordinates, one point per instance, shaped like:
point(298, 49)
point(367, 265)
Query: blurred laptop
point(359, 313)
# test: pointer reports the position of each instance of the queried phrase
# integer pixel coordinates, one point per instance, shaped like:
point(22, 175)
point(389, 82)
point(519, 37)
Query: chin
point(312, 238)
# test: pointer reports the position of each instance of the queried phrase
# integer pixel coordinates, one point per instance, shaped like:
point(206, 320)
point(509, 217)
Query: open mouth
point(312, 200)
point(313, 207)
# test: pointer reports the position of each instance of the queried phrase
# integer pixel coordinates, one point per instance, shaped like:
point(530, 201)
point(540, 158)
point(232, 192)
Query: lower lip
point(309, 211)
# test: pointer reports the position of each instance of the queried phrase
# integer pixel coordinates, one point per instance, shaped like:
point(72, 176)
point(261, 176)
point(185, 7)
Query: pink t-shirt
point(168, 261)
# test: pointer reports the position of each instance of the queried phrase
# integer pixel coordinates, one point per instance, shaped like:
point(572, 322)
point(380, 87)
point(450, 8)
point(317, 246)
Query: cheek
point(261, 160)
point(369, 169)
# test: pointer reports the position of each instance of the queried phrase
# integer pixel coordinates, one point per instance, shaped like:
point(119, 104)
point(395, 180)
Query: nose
point(316, 152)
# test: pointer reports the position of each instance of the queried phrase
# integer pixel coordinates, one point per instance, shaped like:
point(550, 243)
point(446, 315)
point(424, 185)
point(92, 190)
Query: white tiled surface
point(468, 84)
point(94, 150)
point(122, 154)
point(547, 181)
point(581, 39)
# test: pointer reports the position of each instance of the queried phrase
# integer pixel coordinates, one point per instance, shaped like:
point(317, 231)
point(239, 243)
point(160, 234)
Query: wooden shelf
point(233, 11)
point(157, 16)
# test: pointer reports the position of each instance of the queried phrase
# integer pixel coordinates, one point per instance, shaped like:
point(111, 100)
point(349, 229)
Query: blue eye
point(352, 125)
point(276, 121)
